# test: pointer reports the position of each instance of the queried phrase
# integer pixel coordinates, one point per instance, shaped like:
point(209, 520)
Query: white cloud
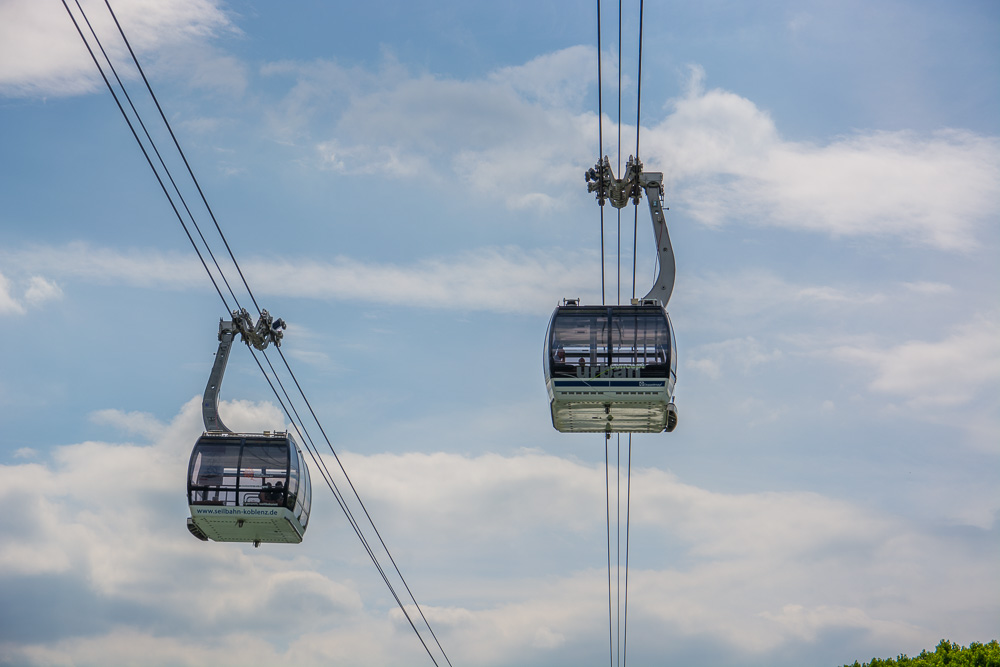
point(929, 288)
point(8, 304)
point(515, 135)
point(745, 353)
point(558, 79)
point(758, 572)
point(751, 296)
point(493, 279)
point(41, 53)
point(39, 291)
point(108, 266)
point(727, 162)
point(141, 423)
point(505, 279)
point(365, 159)
point(521, 135)
point(949, 372)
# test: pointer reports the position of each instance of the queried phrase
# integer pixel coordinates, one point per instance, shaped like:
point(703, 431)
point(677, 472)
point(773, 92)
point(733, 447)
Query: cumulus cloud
point(39, 291)
point(943, 373)
point(141, 423)
point(558, 79)
point(514, 134)
point(41, 53)
point(8, 304)
point(745, 353)
point(759, 573)
point(521, 134)
point(728, 162)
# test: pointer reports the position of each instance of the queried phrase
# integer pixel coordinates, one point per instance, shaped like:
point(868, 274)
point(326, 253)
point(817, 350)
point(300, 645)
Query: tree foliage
point(946, 653)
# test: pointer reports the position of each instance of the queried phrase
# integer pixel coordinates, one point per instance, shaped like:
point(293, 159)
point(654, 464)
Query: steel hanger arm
point(210, 403)
point(652, 183)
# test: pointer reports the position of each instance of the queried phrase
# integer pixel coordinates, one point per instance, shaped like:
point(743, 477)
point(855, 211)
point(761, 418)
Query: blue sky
point(403, 183)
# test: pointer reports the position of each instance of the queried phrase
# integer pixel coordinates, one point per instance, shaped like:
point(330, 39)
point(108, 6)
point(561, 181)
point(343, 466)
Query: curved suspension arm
point(210, 404)
point(652, 183)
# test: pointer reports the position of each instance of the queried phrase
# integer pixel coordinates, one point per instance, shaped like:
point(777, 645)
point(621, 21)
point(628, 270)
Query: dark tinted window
point(304, 497)
point(212, 474)
point(264, 472)
point(616, 341)
point(579, 339)
point(640, 337)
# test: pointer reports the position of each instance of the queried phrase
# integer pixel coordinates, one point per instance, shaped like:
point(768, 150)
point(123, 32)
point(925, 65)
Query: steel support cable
point(152, 144)
point(638, 110)
point(180, 151)
point(145, 153)
point(363, 506)
point(607, 494)
point(337, 494)
point(628, 507)
point(618, 542)
point(321, 464)
point(306, 438)
point(638, 128)
point(635, 234)
point(618, 301)
point(638, 87)
point(619, 147)
point(600, 140)
point(602, 257)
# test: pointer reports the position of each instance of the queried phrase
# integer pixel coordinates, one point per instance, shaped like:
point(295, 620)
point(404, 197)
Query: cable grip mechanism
point(267, 330)
point(601, 179)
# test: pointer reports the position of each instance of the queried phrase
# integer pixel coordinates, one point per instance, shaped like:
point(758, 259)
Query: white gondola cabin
point(611, 369)
point(248, 487)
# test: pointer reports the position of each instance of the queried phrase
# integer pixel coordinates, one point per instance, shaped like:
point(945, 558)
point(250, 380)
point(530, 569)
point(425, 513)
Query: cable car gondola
point(245, 487)
point(612, 369)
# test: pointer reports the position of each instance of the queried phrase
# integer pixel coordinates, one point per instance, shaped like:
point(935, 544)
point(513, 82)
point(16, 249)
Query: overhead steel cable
point(618, 538)
point(628, 506)
point(607, 506)
point(289, 409)
point(600, 137)
point(628, 496)
point(361, 502)
point(619, 211)
point(638, 87)
point(180, 151)
point(341, 500)
point(156, 151)
point(618, 301)
point(600, 158)
point(142, 147)
point(628, 492)
point(635, 234)
point(619, 622)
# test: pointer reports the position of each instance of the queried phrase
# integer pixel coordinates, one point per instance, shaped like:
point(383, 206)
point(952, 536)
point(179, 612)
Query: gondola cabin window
point(615, 342)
